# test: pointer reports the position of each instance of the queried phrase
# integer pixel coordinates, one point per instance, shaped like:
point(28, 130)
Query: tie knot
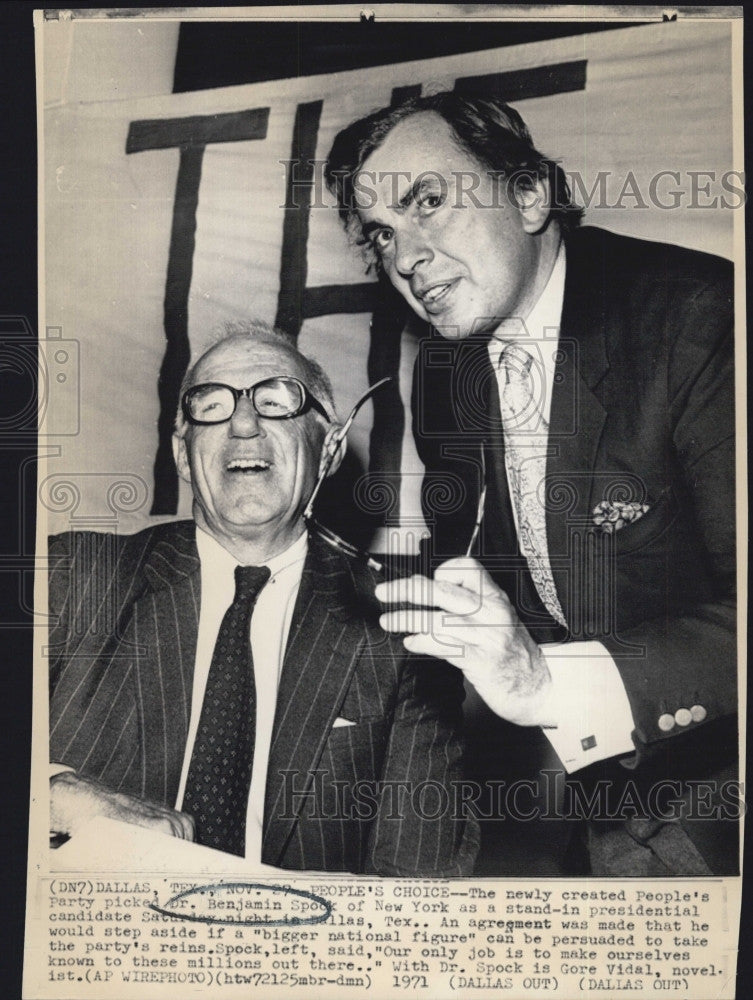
point(521, 399)
point(249, 580)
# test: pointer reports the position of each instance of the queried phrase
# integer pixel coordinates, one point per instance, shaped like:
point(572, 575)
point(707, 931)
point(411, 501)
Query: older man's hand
point(74, 800)
point(462, 616)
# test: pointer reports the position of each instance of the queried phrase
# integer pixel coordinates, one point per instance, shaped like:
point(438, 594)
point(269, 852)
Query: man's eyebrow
point(410, 196)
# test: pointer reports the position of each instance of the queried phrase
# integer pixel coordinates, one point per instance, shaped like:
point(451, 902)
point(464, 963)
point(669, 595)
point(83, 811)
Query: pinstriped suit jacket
point(124, 621)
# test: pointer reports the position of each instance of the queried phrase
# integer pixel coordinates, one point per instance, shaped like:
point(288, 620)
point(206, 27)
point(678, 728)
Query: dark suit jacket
point(642, 409)
point(122, 646)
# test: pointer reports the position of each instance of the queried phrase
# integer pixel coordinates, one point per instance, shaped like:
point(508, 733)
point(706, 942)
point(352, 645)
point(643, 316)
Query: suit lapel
point(577, 415)
point(164, 629)
point(323, 648)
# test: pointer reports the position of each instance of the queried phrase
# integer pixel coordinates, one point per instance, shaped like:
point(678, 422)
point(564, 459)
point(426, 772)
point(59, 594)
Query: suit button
point(683, 717)
point(698, 713)
point(666, 722)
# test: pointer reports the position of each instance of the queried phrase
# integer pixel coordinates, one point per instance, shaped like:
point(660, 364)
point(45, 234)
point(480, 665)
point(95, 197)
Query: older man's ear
point(180, 454)
point(332, 446)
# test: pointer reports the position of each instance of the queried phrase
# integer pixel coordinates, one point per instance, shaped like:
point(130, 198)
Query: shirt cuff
point(589, 703)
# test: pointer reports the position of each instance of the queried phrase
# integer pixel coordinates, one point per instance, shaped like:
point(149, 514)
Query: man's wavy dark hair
point(484, 127)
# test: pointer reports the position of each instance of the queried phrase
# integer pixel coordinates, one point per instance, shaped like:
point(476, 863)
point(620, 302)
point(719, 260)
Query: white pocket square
point(342, 722)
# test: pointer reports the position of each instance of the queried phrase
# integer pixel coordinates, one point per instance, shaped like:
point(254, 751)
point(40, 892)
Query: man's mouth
point(433, 298)
point(248, 465)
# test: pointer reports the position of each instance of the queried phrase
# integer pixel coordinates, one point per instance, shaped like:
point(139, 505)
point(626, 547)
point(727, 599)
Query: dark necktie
point(219, 776)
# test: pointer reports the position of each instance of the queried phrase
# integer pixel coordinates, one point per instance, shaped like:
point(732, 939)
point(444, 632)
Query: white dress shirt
point(270, 625)
point(588, 698)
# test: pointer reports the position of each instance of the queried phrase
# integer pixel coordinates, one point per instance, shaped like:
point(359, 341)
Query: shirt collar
point(217, 559)
point(539, 332)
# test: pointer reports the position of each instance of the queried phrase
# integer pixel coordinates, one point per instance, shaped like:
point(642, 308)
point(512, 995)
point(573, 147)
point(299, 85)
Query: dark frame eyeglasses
point(280, 397)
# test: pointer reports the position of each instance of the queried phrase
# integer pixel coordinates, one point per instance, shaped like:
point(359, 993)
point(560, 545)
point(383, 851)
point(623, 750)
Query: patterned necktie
point(219, 776)
point(526, 439)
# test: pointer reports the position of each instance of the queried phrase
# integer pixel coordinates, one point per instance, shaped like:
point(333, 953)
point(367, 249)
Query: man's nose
point(245, 422)
point(412, 249)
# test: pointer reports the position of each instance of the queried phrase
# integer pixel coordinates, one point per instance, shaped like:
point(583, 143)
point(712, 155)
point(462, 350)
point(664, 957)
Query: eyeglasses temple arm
point(337, 440)
point(342, 546)
point(481, 506)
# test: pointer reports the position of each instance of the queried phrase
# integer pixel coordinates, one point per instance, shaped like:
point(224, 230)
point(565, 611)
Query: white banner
point(640, 119)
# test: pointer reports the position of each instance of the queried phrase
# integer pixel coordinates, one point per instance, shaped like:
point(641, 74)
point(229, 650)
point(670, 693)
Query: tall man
point(228, 674)
point(595, 372)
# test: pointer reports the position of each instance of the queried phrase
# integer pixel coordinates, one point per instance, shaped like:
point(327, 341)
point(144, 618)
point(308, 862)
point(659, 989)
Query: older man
point(596, 374)
point(228, 675)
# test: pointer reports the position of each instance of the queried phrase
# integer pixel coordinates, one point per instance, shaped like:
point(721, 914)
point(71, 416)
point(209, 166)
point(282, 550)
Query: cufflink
point(666, 722)
point(683, 717)
point(698, 713)
point(588, 743)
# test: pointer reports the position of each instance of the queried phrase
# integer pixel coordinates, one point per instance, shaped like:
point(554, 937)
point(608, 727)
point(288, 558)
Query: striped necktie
point(526, 439)
point(219, 776)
